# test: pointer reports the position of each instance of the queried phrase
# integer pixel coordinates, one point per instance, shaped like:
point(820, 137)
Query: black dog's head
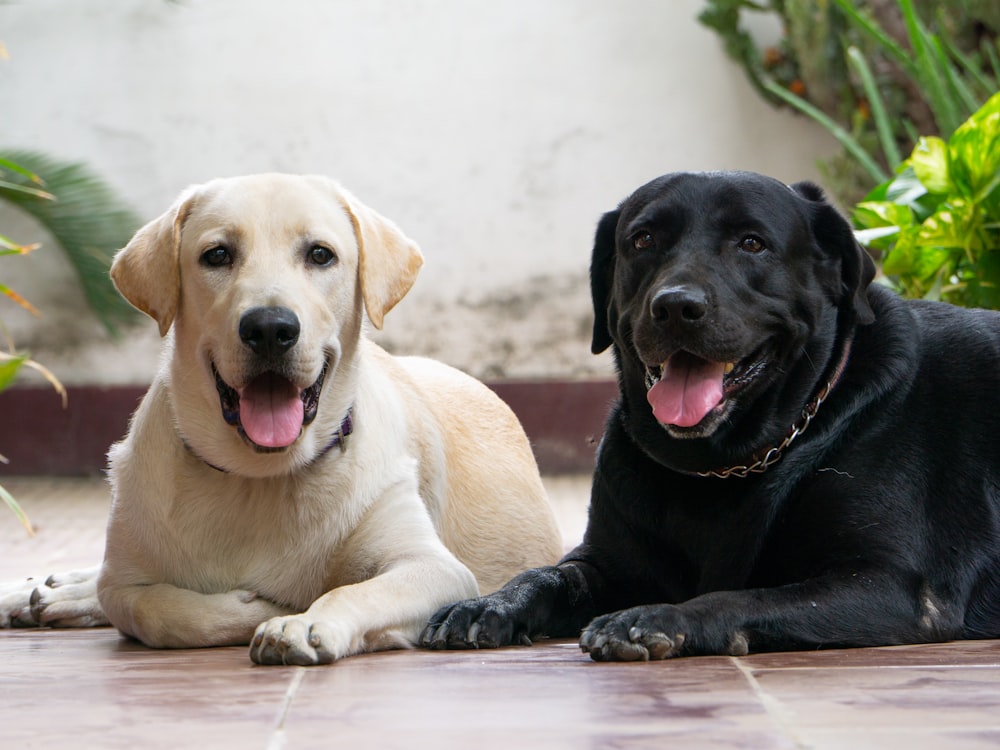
point(721, 291)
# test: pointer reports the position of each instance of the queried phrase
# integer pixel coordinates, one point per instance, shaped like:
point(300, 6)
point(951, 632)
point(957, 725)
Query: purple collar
point(339, 439)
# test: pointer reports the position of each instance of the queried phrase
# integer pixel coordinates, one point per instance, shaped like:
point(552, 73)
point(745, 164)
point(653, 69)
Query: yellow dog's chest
point(280, 542)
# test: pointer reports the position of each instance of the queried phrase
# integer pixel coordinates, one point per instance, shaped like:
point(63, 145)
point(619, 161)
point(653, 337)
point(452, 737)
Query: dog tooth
point(730, 366)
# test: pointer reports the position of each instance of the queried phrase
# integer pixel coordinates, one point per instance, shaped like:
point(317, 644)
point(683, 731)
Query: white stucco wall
point(494, 134)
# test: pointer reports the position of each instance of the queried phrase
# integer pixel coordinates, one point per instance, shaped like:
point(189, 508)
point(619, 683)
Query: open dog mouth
point(685, 388)
point(270, 411)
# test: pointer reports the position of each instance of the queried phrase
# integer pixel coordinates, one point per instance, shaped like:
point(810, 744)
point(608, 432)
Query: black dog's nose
point(679, 305)
point(269, 331)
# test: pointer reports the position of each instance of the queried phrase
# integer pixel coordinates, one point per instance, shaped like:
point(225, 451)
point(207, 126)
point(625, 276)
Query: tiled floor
point(93, 689)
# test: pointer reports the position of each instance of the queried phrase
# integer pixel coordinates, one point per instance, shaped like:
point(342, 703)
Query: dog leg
point(15, 604)
point(862, 609)
point(553, 601)
point(384, 612)
point(64, 600)
point(414, 574)
point(165, 616)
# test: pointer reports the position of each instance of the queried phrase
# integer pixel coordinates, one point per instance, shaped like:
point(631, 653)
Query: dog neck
point(772, 455)
point(339, 439)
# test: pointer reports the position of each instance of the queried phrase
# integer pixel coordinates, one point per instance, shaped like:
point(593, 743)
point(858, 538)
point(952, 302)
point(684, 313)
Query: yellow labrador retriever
point(285, 482)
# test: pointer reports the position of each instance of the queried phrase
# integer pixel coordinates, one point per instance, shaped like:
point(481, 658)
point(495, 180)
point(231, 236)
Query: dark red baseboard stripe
point(563, 419)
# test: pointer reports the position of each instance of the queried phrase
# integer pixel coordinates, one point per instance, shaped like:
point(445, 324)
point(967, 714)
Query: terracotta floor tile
point(93, 689)
point(69, 516)
point(976, 653)
point(90, 688)
point(549, 695)
point(962, 697)
point(900, 739)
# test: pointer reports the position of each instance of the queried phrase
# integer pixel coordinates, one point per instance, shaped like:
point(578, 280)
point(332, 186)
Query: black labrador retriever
point(798, 459)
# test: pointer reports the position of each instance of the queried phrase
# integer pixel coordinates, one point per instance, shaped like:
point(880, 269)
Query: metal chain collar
point(773, 455)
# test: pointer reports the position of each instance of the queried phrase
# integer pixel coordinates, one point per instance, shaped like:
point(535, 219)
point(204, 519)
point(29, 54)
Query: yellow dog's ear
point(147, 270)
point(389, 260)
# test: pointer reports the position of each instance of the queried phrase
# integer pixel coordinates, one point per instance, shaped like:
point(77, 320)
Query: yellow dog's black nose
point(269, 331)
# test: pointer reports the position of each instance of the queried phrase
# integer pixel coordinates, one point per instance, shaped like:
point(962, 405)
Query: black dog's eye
point(321, 256)
point(752, 244)
point(644, 241)
point(217, 256)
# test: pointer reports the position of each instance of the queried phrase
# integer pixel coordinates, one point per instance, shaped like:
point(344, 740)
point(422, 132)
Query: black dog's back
point(953, 410)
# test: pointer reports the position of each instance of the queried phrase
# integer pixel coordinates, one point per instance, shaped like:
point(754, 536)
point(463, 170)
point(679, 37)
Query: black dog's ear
point(833, 232)
point(602, 265)
point(810, 191)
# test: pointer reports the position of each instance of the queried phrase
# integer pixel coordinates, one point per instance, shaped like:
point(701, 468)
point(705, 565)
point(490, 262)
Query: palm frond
point(87, 220)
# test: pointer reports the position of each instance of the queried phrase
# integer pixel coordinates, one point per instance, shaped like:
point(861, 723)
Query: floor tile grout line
point(775, 710)
point(277, 739)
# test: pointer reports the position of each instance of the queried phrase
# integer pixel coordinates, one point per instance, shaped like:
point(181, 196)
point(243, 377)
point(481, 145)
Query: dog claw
point(472, 638)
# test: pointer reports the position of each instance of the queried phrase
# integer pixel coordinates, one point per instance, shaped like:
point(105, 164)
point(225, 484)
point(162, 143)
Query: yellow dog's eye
point(217, 257)
point(321, 256)
point(643, 241)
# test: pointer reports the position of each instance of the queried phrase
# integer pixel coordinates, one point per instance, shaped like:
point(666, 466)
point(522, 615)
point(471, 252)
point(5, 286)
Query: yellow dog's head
point(264, 280)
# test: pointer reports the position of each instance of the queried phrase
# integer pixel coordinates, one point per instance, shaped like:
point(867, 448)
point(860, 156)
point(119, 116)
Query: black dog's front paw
point(487, 622)
point(637, 634)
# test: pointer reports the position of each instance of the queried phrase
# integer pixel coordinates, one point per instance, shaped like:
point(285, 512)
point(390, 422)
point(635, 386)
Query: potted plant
point(937, 221)
point(877, 74)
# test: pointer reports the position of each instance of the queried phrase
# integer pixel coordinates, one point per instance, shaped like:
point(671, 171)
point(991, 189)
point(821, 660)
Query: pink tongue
point(689, 389)
point(271, 411)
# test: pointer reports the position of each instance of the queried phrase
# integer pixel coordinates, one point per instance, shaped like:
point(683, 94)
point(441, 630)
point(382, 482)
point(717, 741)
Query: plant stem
point(845, 139)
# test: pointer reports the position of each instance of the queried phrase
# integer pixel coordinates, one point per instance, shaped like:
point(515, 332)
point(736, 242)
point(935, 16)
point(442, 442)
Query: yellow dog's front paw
point(299, 640)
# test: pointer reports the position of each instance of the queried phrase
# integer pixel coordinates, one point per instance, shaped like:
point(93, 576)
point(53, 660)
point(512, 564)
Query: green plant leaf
point(974, 150)
point(906, 188)
point(881, 223)
point(87, 220)
point(973, 70)
point(10, 365)
point(920, 262)
point(848, 141)
point(875, 214)
point(951, 228)
point(26, 189)
point(10, 166)
point(883, 126)
point(928, 70)
point(900, 258)
point(929, 161)
point(981, 289)
point(12, 504)
point(990, 53)
point(9, 293)
point(958, 91)
point(890, 46)
point(876, 238)
point(9, 247)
